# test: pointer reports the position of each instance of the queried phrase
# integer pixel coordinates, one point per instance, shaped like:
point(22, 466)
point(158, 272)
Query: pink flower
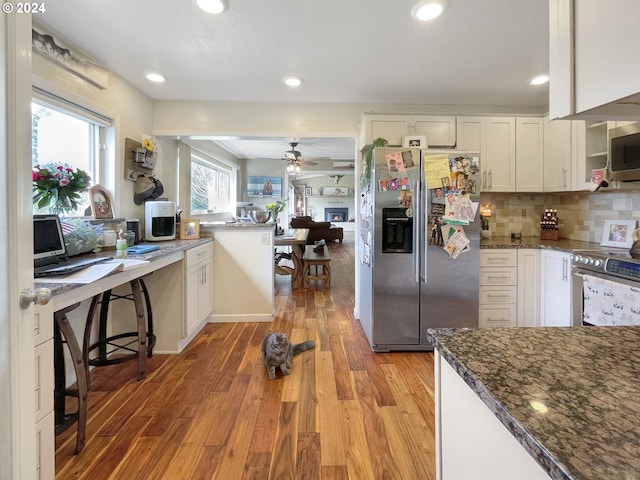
point(60, 167)
point(64, 182)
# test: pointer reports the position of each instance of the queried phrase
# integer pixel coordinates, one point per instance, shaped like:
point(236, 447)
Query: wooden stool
point(316, 265)
point(143, 341)
point(64, 420)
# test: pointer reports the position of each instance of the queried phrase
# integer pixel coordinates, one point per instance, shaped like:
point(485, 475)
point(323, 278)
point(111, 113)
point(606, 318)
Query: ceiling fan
point(294, 159)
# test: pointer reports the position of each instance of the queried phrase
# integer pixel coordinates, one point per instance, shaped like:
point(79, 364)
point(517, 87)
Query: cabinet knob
point(40, 296)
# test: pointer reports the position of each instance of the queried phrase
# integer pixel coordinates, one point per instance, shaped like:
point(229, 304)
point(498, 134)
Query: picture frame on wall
point(414, 141)
point(618, 233)
point(189, 229)
point(268, 187)
point(101, 203)
point(308, 191)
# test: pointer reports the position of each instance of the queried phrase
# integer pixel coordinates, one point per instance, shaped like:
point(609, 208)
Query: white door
point(17, 398)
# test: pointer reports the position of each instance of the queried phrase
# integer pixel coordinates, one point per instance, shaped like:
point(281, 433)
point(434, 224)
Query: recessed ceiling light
point(539, 80)
point(292, 81)
point(155, 77)
point(212, 6)
point(428, 9)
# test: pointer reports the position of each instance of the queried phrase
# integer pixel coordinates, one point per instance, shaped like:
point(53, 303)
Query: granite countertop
point(221, 225)
point(570, 396)
point(165, 249)
point(563, 244)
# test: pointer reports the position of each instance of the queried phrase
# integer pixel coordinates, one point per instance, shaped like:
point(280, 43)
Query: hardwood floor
point(212, 413)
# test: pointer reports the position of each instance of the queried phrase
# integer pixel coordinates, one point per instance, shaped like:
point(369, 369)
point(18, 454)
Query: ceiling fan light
point(428, 9)
point(212, 6)
point(298, 169)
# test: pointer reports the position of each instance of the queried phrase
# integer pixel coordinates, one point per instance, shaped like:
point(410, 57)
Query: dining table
point(296, 238)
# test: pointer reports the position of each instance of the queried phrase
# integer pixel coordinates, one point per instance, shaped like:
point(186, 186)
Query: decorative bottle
point(121, 246)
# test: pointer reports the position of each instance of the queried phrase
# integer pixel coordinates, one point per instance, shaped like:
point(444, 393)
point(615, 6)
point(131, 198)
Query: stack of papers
point(96, 272)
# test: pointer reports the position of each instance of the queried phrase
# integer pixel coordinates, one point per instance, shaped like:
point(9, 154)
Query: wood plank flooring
point(212, 413)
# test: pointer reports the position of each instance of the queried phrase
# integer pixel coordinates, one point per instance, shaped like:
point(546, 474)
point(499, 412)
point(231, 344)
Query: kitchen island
point(242, 276)
point(537, 403)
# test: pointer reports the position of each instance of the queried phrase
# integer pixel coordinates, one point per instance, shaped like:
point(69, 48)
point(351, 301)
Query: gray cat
point(277, 351)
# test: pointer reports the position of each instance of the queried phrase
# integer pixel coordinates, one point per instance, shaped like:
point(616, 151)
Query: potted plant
point(485, 232)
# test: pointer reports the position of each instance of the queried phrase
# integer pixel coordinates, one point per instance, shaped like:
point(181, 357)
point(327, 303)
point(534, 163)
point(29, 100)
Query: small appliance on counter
point(159, 220)
point(133, 225)
point(549, 225)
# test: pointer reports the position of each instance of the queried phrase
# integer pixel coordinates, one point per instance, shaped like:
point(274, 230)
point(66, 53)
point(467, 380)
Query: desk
point(296, 239)
point(167, 294)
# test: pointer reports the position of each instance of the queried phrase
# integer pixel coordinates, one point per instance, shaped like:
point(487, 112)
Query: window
point(65, 133)
point(210, 186)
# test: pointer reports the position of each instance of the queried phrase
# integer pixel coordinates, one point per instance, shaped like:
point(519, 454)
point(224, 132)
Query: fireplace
point(336, 214)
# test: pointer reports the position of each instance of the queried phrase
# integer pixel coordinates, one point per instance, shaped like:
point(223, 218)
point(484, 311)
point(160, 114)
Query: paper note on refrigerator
point(459, 209)
point(436, 166)
point(456, 242)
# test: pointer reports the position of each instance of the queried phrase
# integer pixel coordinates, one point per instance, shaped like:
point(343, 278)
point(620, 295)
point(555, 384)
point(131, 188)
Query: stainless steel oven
point(606, 288)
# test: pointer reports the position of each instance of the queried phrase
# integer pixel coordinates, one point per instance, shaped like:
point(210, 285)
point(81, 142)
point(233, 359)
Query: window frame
point(98, 134)
point(207, 161)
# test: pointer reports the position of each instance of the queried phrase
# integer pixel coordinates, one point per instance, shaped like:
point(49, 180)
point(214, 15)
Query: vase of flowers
point(58, 187)
point(274, 209)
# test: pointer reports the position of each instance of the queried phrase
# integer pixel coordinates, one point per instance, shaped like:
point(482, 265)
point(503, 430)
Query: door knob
point(40, 296)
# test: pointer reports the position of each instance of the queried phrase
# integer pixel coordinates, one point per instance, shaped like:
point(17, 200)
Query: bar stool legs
point(63, 420)
point(144, 338)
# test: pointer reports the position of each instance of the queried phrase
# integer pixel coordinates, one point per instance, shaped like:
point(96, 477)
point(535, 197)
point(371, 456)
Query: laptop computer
point(50, 256)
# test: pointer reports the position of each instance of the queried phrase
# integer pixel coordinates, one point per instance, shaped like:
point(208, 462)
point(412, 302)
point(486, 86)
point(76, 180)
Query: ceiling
point(348, 51)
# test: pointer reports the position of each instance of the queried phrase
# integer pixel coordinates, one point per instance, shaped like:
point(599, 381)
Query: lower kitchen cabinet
point(198, 304)
point(471, 443)
point(555, 289)
point(498, 287)
point(528, 287)
point(44, 379)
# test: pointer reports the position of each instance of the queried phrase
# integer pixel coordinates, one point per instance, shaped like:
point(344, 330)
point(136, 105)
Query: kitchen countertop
point(165, 249)
point(587, 379)
point(221, 225)
point(564, 244)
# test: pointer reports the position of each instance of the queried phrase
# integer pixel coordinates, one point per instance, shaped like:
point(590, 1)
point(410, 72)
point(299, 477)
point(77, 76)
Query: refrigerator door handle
point(416, 232)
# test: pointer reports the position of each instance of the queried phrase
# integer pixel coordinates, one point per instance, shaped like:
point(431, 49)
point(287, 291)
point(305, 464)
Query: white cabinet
point(471, 443)
point(44, 386)
point(590, 47)
point(198, 264)
point(471, 133)
point(555, 289)
point(590, 147)
point(528, 287)
point(439, 130)
point(558, 155)
point(529, 154)
point(498, 162)
point(498, 287)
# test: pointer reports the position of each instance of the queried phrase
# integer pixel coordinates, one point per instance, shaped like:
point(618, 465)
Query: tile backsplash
point(581, 214)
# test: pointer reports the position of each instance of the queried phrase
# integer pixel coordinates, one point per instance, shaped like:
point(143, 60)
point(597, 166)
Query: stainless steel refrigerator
point(408, 281)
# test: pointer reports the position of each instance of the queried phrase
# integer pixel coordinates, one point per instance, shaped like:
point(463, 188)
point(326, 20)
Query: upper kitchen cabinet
point(593, 45)
point(471, 133)
point(558, 155)
point(498, 160)
point(529, 154)
point(439, 130)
